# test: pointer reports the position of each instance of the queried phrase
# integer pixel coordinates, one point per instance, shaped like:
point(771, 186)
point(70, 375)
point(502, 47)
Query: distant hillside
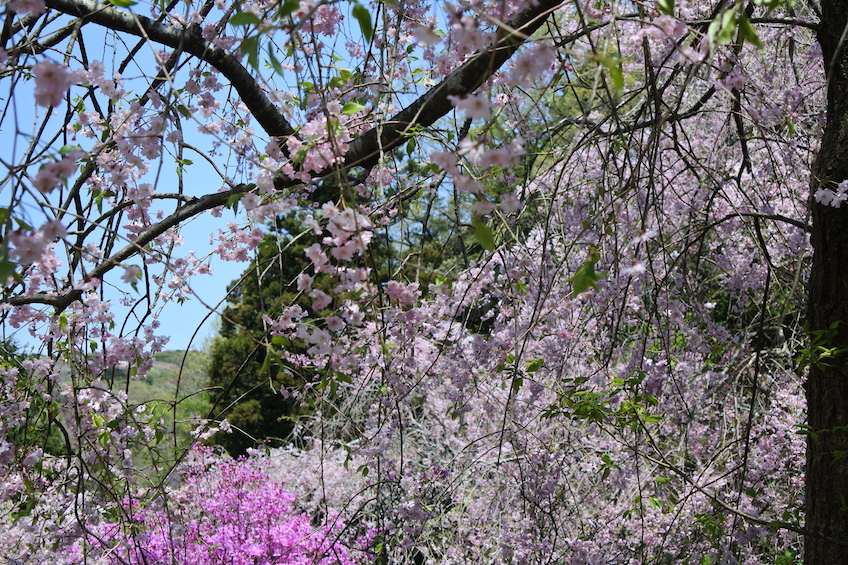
point(177, 376)
point(173, 391)
point(173, 369)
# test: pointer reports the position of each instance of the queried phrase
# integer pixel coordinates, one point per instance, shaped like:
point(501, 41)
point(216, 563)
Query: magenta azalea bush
point(224, 512)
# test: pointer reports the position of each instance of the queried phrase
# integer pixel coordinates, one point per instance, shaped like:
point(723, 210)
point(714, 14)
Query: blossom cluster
point(833, 198)
point(229, 513)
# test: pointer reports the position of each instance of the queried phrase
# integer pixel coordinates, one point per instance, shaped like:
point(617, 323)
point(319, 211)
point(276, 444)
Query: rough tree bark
point(826, 502)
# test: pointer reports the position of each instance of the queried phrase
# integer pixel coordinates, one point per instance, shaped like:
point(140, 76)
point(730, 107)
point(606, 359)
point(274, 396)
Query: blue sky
point(188, 324)
point(178, 321)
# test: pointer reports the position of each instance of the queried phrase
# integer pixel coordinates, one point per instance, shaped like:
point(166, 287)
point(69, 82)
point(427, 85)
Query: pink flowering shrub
point(225, 511)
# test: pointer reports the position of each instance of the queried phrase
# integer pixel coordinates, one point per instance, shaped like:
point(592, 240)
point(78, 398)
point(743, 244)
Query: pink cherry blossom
point(34, 7)
point(320, 299)
point(52, 81)
point(474, 106)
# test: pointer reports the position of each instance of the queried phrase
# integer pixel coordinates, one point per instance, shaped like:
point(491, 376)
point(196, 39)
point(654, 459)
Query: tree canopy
point(530, 281)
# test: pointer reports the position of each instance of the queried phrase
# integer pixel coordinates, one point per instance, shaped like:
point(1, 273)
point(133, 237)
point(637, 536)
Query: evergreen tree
point(259, 396)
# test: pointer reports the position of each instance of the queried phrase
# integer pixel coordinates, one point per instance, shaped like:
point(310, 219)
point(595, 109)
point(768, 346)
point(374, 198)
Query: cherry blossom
point(475, 107)
point(52, 81)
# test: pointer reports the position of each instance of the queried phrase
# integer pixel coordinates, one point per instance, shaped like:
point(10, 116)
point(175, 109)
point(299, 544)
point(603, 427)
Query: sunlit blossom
point(52, 81)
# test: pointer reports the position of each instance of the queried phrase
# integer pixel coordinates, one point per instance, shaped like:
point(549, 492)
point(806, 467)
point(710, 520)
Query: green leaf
point(8, 268)
point(712, 30)
point(586, 277)
point(666, 6)
point(534, 365)
point(300, 156)
point(613, 66)
point(728, 26)
point(244, 19)
point(275, 64)
point(747, 33)
point(232, 202)
point(288, 8)
point(722, 28)
point(250, 47)
point(483, 234)
point(65, 149)
point(363, 16)
point(617, 77)
point(23, 225)
point(103, 437)
point(123, 3)
point(280, 340)
point(516, 384)
point(352, 108)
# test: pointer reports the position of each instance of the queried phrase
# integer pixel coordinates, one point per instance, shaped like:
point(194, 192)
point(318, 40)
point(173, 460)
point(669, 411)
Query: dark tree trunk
point(826, 503)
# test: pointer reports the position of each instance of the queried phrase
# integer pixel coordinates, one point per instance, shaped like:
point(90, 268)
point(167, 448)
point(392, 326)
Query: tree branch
point(189, 41)
point(193, 208)
point(365, 151)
